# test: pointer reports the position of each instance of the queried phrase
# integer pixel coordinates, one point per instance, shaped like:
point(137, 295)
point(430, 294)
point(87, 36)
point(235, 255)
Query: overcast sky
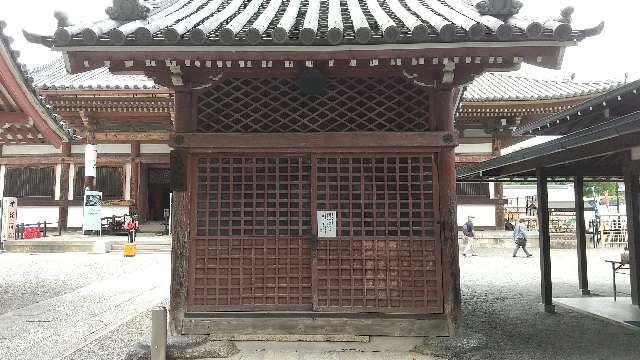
point(607, 56)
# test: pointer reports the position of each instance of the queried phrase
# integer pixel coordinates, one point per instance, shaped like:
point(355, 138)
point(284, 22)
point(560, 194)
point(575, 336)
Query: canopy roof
point(612, 104)
point(25, 118)
point(310, 22)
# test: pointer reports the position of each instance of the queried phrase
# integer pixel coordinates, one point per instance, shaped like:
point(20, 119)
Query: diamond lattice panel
point(277, 105)
point(385, 257)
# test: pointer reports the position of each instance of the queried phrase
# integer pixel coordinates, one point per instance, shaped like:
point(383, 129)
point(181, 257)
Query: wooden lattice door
point(386, 256)
point(251, 250)
point(255, 246)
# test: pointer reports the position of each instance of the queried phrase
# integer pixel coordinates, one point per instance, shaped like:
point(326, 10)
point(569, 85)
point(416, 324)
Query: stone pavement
point(59, 326)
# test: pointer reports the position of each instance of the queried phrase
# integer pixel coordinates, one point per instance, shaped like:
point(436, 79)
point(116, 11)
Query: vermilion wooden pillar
point(545, 242)
point(581, 238)
point(632, 190)
point(442, 110)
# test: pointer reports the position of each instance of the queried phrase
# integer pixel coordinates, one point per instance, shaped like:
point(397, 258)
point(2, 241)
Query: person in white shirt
point(520, 237)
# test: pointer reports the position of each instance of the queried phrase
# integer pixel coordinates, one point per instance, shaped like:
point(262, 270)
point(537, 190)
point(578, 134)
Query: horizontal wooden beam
point(103, 159)
point(9, 117)
point(162, 137)
point(303, 141)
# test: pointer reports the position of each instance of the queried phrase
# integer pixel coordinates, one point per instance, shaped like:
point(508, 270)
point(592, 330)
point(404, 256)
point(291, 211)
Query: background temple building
point(131, 117)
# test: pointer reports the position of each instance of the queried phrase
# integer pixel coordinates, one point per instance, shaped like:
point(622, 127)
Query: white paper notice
point(326, 223)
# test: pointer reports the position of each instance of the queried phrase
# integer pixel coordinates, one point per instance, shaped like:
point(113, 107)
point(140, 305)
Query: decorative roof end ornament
point(497, 7)
point(128, 10)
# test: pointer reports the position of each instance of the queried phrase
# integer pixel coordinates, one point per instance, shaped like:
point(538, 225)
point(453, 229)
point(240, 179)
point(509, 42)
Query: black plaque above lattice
point(278, 105)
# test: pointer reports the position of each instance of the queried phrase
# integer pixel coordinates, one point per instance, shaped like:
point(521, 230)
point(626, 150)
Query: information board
point(92, 211)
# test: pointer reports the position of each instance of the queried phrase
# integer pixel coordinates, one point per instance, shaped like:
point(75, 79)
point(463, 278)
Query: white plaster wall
point(473, 148)
point(29, 150)
point(33, 214)
point(104, 149)
point(75, 214)
point(484, 215)
point(155, 149)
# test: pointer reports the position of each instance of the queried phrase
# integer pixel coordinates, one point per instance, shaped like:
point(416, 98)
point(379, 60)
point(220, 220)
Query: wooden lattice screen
point(385, 257)
point(277, 105)
point(109, 181)
point(254, 243)
point(30, 182)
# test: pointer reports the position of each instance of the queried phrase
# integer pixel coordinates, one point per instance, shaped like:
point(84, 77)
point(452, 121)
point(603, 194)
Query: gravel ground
point(501, 303)
point(501, 309)
point(26, 279)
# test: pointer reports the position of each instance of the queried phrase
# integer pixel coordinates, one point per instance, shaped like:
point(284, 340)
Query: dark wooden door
point(256, 249)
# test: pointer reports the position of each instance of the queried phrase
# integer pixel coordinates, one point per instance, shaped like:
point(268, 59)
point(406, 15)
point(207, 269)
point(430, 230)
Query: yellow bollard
point(129, 249)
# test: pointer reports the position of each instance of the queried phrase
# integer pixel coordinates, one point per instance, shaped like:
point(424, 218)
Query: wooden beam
point(8, 117)
point(632, 190)
point(545, 242)
point(442, 103)
point(583, 277)
point(378, 140)
point(161, 136)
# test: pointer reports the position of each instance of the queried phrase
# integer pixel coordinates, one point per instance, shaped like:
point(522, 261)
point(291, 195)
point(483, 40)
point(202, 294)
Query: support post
point(545, 242)
point(632, 189)
point(63, 209)
point(134, 184)
point(498, 188)
point(581, 237)
point(442, 106)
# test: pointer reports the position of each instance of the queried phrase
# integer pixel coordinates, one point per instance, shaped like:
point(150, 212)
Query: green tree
point(600, 187)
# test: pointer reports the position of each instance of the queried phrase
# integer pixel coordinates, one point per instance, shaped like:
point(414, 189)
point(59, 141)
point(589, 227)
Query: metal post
point(159, 333)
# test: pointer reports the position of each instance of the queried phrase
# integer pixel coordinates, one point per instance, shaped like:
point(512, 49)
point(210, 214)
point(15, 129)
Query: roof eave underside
point(546, 126)
point(615, 136)
point(25, 95)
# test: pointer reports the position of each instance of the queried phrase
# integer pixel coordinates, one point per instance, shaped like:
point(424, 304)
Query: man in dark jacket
point(468, 236)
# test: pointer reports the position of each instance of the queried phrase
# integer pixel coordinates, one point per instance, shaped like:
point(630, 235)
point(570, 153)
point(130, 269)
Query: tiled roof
point(54, 76)
point(43, 110)
point(505, 87)
point(311, 22)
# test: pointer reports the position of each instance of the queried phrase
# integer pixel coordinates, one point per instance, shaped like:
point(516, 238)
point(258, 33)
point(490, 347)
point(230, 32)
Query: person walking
point(468, 237)
point(520, 237)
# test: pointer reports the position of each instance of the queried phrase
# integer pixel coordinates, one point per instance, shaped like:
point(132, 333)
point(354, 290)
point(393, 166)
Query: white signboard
point(92, 211)
point(9, 218)
point(326, 223)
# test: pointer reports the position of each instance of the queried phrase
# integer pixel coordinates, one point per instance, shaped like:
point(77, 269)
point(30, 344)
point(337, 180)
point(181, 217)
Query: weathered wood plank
point(431, 326)
point(318, 140)
point(133, 136)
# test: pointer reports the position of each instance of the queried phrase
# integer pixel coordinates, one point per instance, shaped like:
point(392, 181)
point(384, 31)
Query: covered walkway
point(600, 141)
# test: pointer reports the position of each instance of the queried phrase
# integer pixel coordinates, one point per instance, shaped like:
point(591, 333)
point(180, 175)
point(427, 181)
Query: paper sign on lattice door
point(326, 224)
